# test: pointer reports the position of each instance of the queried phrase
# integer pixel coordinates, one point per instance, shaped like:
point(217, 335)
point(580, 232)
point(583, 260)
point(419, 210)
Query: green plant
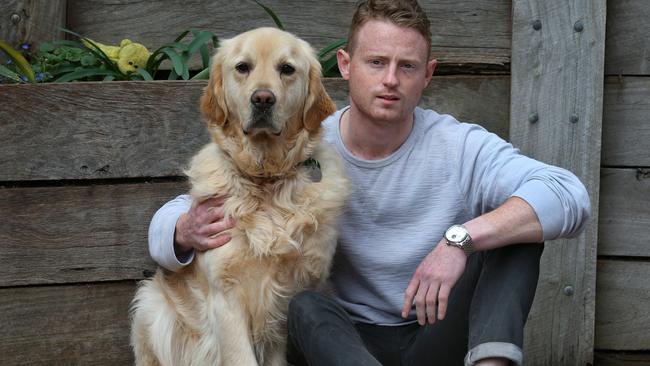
point(178, 52)
point(16, 68)
point(84, 60)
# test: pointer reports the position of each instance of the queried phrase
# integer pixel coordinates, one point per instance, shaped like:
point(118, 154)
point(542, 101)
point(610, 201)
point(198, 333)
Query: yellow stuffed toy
point(128, 56)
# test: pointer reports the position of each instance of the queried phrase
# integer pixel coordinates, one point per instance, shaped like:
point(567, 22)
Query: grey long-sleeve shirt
point(445, 173)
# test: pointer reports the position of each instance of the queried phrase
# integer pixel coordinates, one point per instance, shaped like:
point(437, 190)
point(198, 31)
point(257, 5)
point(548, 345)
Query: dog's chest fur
point(284, 238)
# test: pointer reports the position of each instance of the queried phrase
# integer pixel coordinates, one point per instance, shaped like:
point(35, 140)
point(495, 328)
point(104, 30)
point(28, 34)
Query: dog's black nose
point(263, 98)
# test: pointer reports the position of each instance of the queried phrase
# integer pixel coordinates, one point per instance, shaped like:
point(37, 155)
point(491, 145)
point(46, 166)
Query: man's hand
point(202, 227)
point(432, 282)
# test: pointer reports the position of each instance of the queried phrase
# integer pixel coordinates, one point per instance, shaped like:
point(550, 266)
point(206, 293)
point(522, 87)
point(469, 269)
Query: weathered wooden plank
point(463, 32)
point(99, 130)
point(151, 129)
point(557, 83)
point(622, 298)
point(624, 222)
point(627, 44)
point(66, 325)
point(78, 233)
point(31, 21)
point(626, 127)
point(621, 358)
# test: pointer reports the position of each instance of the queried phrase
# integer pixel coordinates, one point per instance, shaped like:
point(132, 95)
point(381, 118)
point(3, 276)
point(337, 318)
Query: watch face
point(456, 234)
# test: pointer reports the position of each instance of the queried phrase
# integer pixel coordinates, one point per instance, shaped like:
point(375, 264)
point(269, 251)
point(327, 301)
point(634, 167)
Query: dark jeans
point(486, 315)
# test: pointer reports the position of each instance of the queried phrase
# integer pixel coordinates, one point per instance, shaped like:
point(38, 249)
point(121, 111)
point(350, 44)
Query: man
point(429, 192)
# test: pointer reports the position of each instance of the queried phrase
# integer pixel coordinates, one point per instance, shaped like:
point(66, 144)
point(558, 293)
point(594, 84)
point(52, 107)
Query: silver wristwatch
point(458, 236)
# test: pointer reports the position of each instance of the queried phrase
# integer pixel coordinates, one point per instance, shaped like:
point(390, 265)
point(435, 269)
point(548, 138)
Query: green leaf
point(83, 73)
point(46, 47)
point(176, 60)
point(10, 74)
point(205, 56)
point(330, 67)
point(18, 59)
point(181, 36)
point(332, 46)
point(145, 75)
point(64, 68)
point(88, 60)
point(203, 46)
point(97, 51)
point(202, 75)
point(270, 12)
point(200, 38)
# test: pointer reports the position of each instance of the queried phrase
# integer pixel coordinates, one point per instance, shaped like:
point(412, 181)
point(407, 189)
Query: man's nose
point(390, 77)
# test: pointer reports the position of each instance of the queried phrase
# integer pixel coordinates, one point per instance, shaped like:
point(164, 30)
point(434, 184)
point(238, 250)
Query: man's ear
point(213, 103)
point(318, 105)
point(431, 67)
point(343, 60)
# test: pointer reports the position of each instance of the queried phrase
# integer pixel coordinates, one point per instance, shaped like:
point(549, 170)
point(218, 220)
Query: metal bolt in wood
point(15, 18)
point(578, 26)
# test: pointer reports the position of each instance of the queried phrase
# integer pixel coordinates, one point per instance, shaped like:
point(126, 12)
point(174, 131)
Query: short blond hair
point(404, 13)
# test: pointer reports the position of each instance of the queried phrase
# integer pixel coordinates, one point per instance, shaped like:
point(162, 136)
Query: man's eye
point(242, 68)
point(375, 62)
point(286, 69)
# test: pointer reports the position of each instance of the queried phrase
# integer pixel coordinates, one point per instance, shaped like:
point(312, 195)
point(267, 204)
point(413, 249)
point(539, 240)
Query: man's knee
point(310, 308)
point(304, 302)
point(306, 306)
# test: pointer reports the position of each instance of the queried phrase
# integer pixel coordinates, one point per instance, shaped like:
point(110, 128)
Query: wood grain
point(621, 358)
point(66, 325)
point(38, 21)
point(623, 295)
point(557, 75)
point(99, 130)
point(627, 44)
point(474, 32)
point(151, 129)
point(66, 234)
point(624, 222)
point(626, 126)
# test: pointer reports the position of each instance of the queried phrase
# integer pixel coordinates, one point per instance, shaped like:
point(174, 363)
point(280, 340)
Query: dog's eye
point(242, 67)
point(287, 69)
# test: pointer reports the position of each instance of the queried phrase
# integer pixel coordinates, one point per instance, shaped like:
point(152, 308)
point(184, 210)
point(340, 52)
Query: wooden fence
point(84, 166)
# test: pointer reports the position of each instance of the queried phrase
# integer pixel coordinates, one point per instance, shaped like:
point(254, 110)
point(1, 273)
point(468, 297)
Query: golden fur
point(229, 306)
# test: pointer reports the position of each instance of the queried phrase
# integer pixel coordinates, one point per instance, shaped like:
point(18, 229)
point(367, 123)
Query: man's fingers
point(217, 241)
point(443, 299)
point(218, 227)
point(214, 201)
point(409, 294)
point(431, 299)
point(420, 303)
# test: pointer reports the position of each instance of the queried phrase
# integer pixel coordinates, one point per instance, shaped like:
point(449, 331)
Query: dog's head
point(265, 101)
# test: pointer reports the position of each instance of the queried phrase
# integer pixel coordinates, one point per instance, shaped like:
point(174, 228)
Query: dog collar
point(313, 169)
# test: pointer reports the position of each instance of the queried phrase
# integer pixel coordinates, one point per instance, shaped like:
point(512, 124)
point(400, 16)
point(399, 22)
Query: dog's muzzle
point(262, 102)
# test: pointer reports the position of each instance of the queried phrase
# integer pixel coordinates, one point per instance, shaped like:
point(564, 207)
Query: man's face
point(387, 71)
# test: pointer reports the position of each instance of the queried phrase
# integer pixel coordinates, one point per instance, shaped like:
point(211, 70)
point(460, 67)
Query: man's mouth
point(388, 97)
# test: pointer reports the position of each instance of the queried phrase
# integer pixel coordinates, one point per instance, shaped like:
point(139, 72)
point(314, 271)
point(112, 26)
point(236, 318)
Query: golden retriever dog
point(264, 105)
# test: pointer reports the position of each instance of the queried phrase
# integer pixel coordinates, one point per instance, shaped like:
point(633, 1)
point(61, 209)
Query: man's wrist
point(181, 247)
point(458, 236)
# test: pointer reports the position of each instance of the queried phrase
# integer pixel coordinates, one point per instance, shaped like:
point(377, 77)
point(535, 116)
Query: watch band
point(465, 244)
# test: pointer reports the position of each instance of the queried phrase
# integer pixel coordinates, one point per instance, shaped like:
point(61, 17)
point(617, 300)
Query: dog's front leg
point(235, 341)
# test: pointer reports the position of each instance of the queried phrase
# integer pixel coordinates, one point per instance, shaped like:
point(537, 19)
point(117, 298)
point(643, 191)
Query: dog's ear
point(318, 105)
point(213, 103)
